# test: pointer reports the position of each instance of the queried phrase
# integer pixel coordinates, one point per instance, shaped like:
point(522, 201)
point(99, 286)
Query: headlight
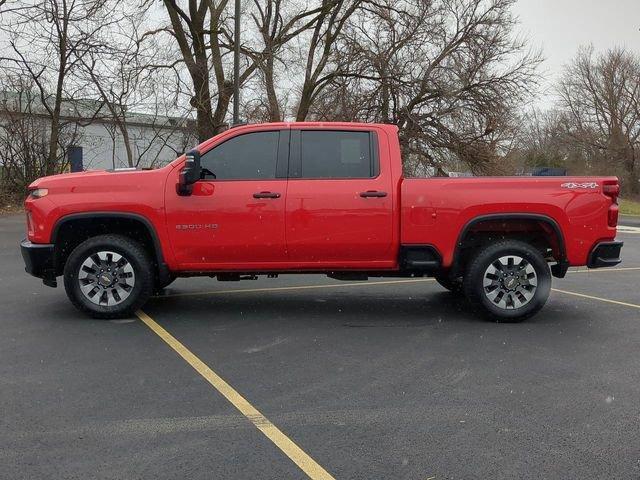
point(39, 192)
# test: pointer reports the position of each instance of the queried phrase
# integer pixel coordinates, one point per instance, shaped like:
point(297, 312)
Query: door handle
point(266, 195)
point(373, 193)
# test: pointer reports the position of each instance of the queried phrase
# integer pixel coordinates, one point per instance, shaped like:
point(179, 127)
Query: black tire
point(490, 255)
point(139, 261)
point(453, 285)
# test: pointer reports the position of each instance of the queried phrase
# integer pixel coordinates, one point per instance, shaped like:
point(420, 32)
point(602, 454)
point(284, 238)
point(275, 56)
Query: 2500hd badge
point(196, 226)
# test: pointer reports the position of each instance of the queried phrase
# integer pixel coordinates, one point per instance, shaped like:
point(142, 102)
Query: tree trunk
point(305, 102)
point(196, 62)
point(272, 98)
point(386, 97)
point(633, 178)
point(201, 100)
point(222, 107)
point(127, 143)
point(54, 137)
point(54, 134)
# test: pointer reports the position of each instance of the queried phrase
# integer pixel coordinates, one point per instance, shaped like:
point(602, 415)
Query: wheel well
point(71, 232)
point(538, 231)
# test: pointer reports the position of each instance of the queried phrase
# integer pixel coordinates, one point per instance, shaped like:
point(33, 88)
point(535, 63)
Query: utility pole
point(236, 67)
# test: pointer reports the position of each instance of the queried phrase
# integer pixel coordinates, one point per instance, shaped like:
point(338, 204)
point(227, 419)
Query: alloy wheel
point(106, 278)
point(510, 282)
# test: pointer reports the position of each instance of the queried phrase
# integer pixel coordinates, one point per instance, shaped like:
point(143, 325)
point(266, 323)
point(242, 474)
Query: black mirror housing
point(189, 174)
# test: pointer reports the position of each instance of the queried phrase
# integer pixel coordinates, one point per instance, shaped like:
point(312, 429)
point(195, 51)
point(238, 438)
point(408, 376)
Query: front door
point(234, 219)
point(339, 201)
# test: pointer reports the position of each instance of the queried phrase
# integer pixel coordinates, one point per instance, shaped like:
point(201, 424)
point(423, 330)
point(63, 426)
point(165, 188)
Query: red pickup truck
point(325, 198)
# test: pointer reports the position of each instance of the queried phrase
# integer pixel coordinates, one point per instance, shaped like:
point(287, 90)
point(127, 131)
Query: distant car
point(549, 172)
point(325, 198)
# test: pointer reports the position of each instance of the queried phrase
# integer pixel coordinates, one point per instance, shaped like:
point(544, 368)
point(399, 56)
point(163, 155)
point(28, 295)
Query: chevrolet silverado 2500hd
point(326, 198)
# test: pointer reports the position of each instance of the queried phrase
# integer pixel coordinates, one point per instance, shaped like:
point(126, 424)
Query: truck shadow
point(349, 309)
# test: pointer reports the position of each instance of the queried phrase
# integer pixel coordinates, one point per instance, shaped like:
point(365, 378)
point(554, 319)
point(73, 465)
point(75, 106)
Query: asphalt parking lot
point(274, 378)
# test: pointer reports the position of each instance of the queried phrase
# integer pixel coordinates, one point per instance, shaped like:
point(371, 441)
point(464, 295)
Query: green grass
point(629, 207)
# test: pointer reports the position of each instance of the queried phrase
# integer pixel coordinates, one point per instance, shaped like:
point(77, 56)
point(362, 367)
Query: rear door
point(339, 200)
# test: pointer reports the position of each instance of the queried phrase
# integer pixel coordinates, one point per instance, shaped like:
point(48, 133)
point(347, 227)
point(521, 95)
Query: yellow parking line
point(591, 297)
point(307, 464)
point(299, 287)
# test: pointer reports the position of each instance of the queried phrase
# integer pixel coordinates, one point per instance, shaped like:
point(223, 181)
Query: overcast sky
point(561, 26)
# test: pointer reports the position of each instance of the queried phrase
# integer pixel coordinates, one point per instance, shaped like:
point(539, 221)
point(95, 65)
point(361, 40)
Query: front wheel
point(108, 276)
point(508, 280)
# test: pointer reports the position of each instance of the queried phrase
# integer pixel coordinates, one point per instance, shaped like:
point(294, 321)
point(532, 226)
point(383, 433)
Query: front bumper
point(39, 261)
point(605, 254)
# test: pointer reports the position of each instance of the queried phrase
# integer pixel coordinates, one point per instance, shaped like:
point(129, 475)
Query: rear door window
point(336, 154)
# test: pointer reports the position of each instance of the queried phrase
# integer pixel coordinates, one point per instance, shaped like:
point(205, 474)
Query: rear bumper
point(605, 254)
point(39, 261)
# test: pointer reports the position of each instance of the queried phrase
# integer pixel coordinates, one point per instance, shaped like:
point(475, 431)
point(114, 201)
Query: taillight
point(613, 215)
point(611, 189)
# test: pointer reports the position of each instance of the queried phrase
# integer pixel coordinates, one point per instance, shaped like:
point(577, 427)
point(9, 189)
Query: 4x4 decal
point(580, 185)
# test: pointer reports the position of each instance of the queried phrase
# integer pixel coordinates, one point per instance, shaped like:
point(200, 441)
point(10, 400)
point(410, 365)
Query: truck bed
point(439, 209)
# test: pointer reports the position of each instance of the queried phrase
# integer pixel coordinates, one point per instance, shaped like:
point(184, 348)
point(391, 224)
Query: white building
point(88, 130)
point(154, 141)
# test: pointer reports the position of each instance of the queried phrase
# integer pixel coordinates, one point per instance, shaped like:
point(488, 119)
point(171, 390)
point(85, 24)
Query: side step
point(420, 257)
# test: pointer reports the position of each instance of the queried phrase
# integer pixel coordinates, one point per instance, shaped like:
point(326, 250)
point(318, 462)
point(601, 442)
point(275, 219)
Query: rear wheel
point(509, 281)
point(108, 276)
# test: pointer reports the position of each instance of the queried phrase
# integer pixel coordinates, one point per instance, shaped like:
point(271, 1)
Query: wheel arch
point(512, 225)
point(71, 230)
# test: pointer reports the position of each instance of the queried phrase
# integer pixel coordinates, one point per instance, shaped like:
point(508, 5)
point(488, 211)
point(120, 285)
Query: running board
point(424, 258)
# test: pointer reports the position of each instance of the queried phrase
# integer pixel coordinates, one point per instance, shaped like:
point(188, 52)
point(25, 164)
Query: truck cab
point(313, 197)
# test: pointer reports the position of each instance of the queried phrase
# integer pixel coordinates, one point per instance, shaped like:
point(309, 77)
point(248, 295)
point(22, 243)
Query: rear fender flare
point(545, 219)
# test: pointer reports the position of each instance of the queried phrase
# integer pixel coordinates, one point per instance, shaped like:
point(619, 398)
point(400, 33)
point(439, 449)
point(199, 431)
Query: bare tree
point(115, 90)
point(24, 136)
point(450, 73)
point(319, 71)
point(44, 38)
point(205, 38)
point(115, 67)
point(276, 26)
point(542, 140)
point(200, 32)
point(601, 96)
point(191, 31)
